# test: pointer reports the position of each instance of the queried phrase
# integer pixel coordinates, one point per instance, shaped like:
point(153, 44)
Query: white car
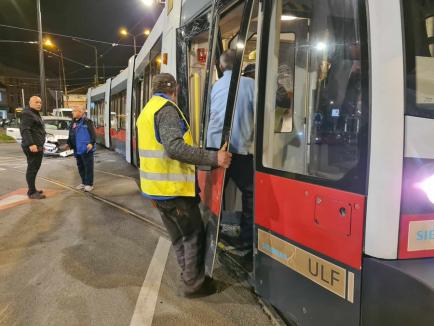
point(57, 129)
point(62, 112)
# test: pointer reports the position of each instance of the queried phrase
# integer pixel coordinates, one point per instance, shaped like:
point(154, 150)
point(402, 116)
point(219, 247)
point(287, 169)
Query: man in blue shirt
point(241, 170)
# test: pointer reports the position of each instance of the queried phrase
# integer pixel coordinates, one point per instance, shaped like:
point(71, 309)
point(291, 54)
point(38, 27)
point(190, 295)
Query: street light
point(41, 58)
point(49, 43)
point(96, 57)
point(124, 32)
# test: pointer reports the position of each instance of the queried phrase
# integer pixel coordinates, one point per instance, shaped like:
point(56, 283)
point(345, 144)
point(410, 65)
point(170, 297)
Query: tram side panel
point(311, 153)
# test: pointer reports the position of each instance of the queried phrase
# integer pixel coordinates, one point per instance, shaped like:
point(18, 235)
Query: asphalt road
point(78, 259)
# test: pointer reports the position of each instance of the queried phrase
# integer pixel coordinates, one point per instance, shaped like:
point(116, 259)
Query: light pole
point(124, 32)
point(96, 58)
point(64, 77)
point(41, 60)
point(48, 43)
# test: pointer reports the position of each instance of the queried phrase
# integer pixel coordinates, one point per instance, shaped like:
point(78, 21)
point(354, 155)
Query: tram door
point(229, 28)
point(311, 157)
point(137, 105)
point(142, 93)
point(107, 113)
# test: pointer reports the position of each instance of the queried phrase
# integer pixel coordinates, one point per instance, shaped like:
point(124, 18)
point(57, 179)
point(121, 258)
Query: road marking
point(20, 197)
point(12, 199)
point(145, 306)
point(1, 169)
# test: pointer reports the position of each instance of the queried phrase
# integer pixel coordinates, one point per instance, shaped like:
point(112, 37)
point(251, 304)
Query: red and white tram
point(344, 176)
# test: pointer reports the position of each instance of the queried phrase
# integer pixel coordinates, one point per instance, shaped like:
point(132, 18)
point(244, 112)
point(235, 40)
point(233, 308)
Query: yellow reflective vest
point(159, 174)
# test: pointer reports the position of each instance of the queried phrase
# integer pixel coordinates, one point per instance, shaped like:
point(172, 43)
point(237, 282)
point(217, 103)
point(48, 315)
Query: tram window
point(113, 112)
point(313, 95)
point(197, 74)
point(100, 113)
point(93, 114)
point(419, 47)
point(121, 117)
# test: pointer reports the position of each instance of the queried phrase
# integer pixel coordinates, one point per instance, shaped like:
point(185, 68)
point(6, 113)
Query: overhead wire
point(67, 36)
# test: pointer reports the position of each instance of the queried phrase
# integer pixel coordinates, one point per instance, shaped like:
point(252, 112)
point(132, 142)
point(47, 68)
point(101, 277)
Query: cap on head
point(164, 83)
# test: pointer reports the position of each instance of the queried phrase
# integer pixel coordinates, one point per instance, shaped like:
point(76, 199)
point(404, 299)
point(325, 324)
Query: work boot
point(36, 195)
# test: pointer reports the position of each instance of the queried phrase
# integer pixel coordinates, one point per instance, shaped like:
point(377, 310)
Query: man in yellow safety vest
point(168, 178)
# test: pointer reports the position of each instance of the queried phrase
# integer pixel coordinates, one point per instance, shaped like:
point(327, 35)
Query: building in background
point(75, 101)
point(17, 86)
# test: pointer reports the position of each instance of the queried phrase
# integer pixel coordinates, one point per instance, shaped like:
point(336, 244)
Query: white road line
point(12, 199)
point(1, 169)
point(145, 306)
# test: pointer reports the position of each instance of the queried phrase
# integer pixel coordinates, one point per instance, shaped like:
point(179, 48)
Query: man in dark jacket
point(82, 140)
point(33, 138)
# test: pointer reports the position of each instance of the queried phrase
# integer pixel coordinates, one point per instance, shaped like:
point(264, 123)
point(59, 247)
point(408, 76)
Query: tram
point(344, 176)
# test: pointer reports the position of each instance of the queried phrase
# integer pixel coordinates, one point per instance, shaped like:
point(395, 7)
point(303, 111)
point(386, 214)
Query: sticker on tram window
point(421, 235)
point(324, 273)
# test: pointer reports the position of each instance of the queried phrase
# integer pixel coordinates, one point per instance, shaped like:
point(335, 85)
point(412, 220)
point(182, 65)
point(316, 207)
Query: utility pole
point(96, 57)
point(64, 79)
point(41, 61)
point(23, 98)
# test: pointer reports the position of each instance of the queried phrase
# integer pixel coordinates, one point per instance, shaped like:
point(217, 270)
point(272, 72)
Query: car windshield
point(67, 114)
point(57, 124)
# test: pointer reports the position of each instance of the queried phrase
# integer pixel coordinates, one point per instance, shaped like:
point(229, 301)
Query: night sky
point(93, 19)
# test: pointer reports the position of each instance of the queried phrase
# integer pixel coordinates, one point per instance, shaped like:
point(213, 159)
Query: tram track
point(143, 218)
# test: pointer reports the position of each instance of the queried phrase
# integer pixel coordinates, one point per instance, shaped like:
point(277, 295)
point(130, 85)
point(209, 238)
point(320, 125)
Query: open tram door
point(230, 22)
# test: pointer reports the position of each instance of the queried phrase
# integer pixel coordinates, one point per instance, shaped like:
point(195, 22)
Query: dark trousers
point(34, 161)
point(241, 171)
point(183, 222)
point(85, 168)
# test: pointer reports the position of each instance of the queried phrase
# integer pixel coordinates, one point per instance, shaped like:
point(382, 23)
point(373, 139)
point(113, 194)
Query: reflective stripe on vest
point(159, 174)
point(152, 153)
point(167, 176)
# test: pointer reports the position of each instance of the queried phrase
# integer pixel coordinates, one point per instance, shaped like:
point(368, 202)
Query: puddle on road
point(112, 253)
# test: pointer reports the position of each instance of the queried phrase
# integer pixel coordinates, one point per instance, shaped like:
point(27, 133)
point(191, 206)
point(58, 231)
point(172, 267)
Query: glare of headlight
point(287, 18)
point(321, 46)
point(148, 2)
point(240, 45)
point(428, 187)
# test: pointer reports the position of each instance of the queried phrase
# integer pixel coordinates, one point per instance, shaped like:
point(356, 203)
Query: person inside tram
point(249, 70)
point(167, 177)
point(241, 169)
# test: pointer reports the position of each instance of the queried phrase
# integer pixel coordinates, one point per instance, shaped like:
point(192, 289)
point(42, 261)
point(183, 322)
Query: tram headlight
point(428, 187)
point(321, 46)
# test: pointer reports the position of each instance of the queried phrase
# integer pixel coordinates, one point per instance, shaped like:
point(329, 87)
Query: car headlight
point(51, 138)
